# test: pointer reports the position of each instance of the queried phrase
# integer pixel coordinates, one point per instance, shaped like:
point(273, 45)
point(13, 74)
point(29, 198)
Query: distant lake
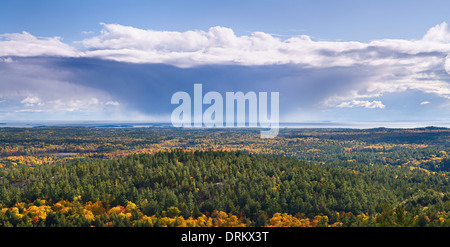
point(350, 125)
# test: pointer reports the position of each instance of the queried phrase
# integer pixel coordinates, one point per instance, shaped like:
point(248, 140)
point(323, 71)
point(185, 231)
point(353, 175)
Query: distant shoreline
point(305, 125)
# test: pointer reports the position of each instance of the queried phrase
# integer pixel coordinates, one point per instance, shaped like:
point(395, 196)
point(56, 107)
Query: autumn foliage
point(220, 178)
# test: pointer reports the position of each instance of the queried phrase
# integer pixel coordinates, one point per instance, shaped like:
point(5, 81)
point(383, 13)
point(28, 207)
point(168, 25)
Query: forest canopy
point(169, 177)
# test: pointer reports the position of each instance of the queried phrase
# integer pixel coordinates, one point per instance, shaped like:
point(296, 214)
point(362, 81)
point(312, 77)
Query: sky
point(332, 61)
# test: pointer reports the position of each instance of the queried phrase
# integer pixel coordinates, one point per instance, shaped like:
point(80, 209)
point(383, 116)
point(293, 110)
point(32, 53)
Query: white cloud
point(31, 101)
point(425, 102)
point(362, 103)
point(113, 103)
point(25, 44)
point(220, 45)
point(439, 33)
point(28, 110)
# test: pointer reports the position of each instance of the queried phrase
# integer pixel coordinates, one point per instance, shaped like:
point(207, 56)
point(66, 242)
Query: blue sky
point(120, 60)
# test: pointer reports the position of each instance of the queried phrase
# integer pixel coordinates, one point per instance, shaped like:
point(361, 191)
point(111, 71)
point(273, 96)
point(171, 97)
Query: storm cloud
point(126, 72)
